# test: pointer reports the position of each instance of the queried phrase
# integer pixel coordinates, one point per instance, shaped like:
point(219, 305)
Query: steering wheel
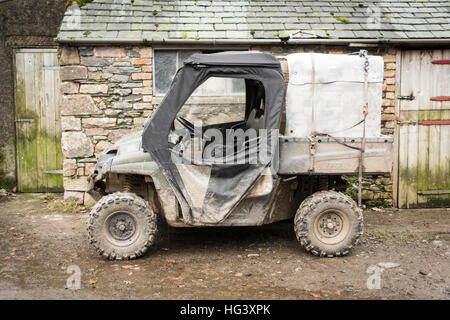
point(185, 123)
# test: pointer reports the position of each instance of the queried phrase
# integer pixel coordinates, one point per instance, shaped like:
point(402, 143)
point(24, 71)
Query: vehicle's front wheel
point(328, 224)
point(122, 226)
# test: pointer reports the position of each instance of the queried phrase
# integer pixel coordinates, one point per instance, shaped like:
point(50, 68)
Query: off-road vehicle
point(274, 149)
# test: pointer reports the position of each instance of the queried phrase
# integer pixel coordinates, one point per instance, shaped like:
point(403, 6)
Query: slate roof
point(247, 21)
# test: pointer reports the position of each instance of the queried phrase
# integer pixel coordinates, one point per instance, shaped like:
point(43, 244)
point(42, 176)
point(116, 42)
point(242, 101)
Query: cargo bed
point(332, 157)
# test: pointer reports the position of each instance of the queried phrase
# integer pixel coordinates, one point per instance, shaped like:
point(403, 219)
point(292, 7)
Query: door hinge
point(50, 68)
point(24, 120)
point(424, 122)
point(57, 172)
point(433, 192)
point(411, 97)
point(402, 122)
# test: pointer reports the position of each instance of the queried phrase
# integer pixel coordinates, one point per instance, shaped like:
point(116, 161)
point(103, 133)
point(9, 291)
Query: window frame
point(202, 50)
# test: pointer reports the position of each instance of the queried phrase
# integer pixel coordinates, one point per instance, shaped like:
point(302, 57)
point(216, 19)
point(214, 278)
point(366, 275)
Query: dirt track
point(40, 239)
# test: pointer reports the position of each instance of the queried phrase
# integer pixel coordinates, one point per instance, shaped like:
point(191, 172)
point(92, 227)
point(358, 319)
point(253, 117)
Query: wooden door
point(424, 130)
point(38, 126)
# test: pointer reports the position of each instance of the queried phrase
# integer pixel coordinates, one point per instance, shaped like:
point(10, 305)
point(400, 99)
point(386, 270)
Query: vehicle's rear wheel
point(328, 224)
point(122, 226)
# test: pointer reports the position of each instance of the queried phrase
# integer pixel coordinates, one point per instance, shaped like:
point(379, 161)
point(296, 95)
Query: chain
point(363, 54)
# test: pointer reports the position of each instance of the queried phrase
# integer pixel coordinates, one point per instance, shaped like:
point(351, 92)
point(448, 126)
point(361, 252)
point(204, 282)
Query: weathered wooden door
point(424, 130)
point(38, 126)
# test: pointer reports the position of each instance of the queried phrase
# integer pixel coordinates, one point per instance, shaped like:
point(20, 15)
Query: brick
point(94, 88)
point(145, 90)
point(141, 76)
point(131, 85)
point(69, 167)
point(145, 52)
point(78, 105)
point(122, 105)
point(389, 124)
point(390, 81)
point(94, 75)
point(147, 98)
point(89, 168)
point(115, 135)
point(146, 69)
point(108, 52)
point(76, 144)
point(389, 74)
point(390, 95)
point(140, 106)
point(101, 146)
point(69, 55)
point(106, 75)
point(78, 184)
point(389, 110)
point(390, 88)
point(70, 123)
point(119, 78)
point(122, 92)
point(147, 83)
point(80, 172)
point(99, 122)
point(139, 121)
point(388, 103)
point(95, 132)
point(73, 73)
point(141, 61)
point(69, 87)
point(389, 66)
point(389, 58)
point(95, 61)
point(388, 117)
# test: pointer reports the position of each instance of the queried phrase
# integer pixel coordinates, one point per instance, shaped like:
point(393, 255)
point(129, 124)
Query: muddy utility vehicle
point(232, 145)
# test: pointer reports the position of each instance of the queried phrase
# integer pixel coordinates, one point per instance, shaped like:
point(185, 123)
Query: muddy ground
point(41, 238)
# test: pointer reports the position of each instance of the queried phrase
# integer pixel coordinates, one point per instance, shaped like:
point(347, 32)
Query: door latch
point(411, 97)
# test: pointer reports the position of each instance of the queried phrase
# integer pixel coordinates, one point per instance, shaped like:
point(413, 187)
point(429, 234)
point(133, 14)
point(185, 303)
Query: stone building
point(117, 58)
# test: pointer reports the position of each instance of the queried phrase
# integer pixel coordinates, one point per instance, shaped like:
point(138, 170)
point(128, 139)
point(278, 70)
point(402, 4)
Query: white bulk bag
point(334, 86)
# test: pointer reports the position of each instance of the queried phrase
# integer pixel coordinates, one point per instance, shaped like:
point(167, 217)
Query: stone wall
point(107, 92)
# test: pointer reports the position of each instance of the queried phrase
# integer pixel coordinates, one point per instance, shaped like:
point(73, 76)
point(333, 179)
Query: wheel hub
point(122, 226)
point(330, 224)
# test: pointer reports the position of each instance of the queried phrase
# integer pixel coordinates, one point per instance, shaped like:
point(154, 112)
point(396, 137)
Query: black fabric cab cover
point(211, 190)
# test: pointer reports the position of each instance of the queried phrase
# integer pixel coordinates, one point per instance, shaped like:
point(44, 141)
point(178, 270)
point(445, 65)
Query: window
point(206, 112)
point(167, 62)
point(200, 108)
point(223, 122)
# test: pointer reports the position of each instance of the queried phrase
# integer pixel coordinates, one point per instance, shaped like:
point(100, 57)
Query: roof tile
point(245, 19)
